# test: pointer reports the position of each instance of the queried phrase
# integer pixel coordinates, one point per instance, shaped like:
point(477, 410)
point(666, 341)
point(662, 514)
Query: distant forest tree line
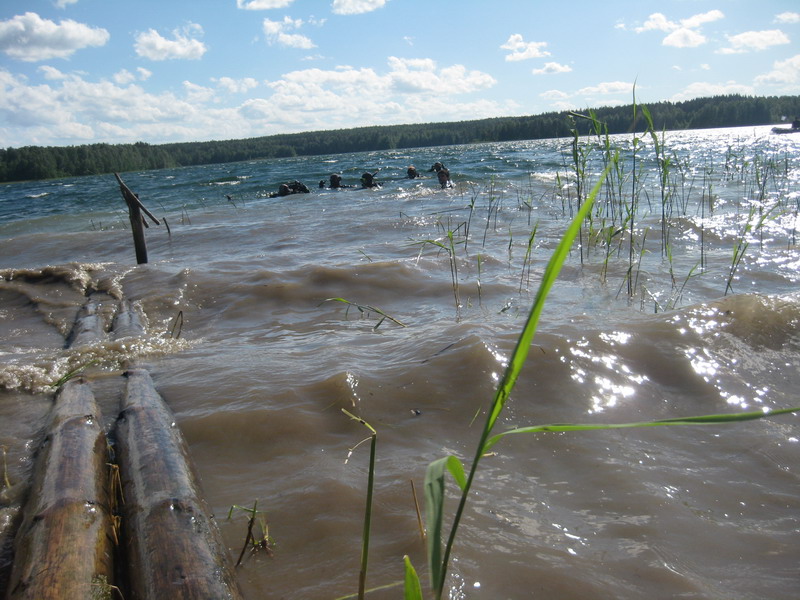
point(40, 162)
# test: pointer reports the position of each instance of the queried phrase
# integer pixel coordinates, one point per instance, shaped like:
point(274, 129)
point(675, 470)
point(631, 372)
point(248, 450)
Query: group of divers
point(367, 181)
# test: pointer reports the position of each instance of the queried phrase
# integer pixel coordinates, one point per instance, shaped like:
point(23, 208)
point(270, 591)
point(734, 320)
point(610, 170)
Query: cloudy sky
point(86, 71)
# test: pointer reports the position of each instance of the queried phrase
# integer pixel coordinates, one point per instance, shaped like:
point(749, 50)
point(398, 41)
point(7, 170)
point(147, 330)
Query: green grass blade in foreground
point(362, 576)
point(434, 493)
point(434, 514)
point(697, 420)
point(412, 590)
point(525, 340)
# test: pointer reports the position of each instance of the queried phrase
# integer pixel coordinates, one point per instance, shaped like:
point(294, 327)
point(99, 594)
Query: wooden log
point(127, 321)
point(174, 546)
point(88, 326)
point(64, 546)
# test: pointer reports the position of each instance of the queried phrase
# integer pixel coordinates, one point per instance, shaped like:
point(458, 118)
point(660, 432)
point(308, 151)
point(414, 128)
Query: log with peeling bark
point(174, 546)
point(64, 547)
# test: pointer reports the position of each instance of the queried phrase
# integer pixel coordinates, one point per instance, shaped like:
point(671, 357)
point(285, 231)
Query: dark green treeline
point(36, 162)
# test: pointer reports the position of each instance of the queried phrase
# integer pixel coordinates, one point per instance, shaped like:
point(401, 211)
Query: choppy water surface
point(667, 308)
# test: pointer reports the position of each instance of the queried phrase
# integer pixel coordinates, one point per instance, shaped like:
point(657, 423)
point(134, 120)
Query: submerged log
point(127, 321)
point(175, 549)
point(88, 326)
point(64, 546)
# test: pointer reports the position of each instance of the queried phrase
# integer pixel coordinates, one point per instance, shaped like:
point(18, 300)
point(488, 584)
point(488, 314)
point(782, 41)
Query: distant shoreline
point(33, 163)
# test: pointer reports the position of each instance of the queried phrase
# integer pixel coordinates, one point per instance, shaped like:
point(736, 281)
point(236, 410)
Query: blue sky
point(87, 71)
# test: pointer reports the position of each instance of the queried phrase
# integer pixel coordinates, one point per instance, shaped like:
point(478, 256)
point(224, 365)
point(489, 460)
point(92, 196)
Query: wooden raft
point(68, 539)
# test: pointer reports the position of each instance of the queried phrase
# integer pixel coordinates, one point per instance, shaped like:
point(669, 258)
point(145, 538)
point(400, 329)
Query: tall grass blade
point(434, 477)
point(551, 272)
point(362, 576)
point(412, 590)
point(714, 419)
point(434, 515)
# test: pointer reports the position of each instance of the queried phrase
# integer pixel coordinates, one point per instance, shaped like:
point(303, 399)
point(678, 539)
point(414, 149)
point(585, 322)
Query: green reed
point(664, 162)
point(580, 158)
point(627, 201)
point(449, 247)
point(373, 438)
point(526, 263)
point(472, 201)
point(742, 242)
point(251, 542)
point(612, 225)
point(71, 374)
point(440, 544)
point(366, 310)
point(479, 260)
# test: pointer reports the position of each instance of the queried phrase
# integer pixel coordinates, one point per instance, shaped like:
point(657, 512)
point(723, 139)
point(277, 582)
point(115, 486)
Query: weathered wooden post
point(135, 210)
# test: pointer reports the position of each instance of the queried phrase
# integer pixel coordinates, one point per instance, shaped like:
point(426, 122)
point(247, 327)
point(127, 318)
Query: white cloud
point(684, 38)
point(784, 72)
point(683, 33)
point(788, 17)
point(554, 95)
point(754, 40)
point(30, 38)
point(71, 108)
point(558, 100)
point(522, 50)
point(608, 87)
point(124, 77)
point(659, 22)
point(411, 90)
point(698, 20)
point(702, 89)
point(152, 45)
point(236, 86)
point(656, 21)
point(552, 67)
point(562, 106)
point(198, 94)
point(262, 4)
point(276, 32)
point(355, 7)
point(457, 79)
point(51, 73)
point(422, 75)
point(26, 106)
point(64, 3)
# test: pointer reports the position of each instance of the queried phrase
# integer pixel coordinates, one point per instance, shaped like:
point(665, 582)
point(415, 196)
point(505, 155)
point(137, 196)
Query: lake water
point(697, 313)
